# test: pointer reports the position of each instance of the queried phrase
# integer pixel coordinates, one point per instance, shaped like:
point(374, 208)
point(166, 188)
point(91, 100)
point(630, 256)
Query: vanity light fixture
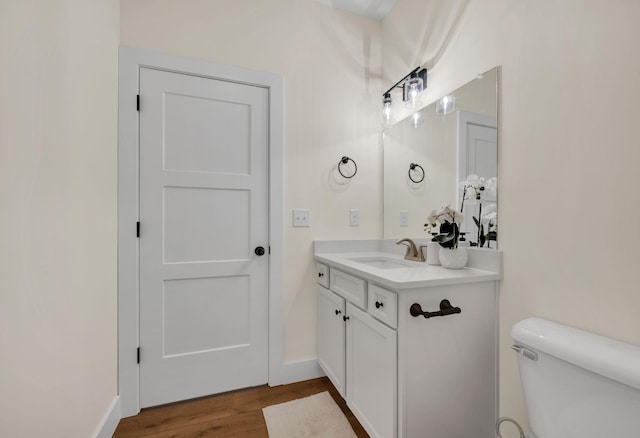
point(412, 85)
point(446, 105)
point(412, 89)
point(387, 109)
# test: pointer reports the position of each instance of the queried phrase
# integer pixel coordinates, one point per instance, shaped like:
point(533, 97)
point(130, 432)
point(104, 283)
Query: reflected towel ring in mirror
point(345, 160)
point(420, 176)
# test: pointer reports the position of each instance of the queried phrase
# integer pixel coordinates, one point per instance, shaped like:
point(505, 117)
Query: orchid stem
point(479, 222)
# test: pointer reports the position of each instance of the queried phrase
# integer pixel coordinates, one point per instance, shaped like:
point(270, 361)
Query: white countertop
point(417, 275)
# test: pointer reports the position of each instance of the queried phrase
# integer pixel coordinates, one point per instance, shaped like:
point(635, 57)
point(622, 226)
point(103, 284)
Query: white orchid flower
point(490, 208)
point(491, 186)
point(453, 215)
point(472, 180)
point(490, 218)
point(446, 214)
point(474, 186)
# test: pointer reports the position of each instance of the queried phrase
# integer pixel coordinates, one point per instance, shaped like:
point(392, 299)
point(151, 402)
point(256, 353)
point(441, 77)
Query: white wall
point(567, 162)
point(58, 126)
point(568, 153)
point(330, 61)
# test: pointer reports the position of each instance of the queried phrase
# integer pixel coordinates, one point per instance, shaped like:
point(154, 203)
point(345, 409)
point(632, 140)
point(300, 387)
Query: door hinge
point(138, 355)
point(137, 229)
point(138, 102)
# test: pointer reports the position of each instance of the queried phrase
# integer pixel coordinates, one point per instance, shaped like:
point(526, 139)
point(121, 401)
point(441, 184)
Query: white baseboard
point(292, 372)
point(110, 421)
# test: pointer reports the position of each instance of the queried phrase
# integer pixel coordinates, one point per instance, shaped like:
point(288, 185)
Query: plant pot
point(453, 258)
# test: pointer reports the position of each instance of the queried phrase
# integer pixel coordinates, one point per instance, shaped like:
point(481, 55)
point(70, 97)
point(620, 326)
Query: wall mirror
point(429, 155)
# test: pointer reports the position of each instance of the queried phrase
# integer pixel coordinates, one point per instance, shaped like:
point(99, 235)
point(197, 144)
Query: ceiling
point(374, 9)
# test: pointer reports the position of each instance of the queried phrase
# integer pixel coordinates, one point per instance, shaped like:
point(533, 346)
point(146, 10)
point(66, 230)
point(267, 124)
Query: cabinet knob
point(338, 312)
point(320, 274)
point(345, 318)
point(379, 304)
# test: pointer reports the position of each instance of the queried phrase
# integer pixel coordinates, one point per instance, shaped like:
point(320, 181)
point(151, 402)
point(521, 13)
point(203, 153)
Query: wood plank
point(232, 414)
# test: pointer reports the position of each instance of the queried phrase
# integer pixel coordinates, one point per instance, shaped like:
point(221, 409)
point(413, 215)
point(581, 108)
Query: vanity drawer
point(383, 305)
point(323, 274)
point(352, 289)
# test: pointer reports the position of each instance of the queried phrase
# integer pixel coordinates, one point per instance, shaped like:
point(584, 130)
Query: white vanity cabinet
point(359, 352)
point(371, 373)
point(403, 374)
point(331, 337)
point(447, 365)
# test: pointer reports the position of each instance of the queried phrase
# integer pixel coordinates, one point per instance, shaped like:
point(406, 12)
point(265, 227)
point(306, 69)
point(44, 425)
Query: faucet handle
point(421, 256)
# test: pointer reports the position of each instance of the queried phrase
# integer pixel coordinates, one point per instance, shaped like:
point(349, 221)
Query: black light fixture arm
point(419, 70)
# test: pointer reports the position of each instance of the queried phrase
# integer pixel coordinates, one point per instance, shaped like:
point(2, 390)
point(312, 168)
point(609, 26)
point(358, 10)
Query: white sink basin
point(384, 262)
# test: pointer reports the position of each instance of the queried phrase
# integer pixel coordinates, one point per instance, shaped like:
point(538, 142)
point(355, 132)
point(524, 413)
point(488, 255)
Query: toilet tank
point(577, 384)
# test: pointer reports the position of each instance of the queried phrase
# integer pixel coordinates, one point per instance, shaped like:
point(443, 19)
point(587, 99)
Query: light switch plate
point(301, 217)
point(354, 217)
point(404, 218)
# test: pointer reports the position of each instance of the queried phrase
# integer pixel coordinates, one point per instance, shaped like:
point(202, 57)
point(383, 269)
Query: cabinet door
point(371, 373)
point(331, 337)
point(448, 364)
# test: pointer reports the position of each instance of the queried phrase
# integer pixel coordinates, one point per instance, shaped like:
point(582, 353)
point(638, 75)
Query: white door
point(331, 337)
point(477, 154)
point(203, 213)
point(372, 363)
point(482, 150)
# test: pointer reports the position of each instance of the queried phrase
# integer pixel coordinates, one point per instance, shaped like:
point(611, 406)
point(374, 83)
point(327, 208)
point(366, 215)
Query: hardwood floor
point(233, 414)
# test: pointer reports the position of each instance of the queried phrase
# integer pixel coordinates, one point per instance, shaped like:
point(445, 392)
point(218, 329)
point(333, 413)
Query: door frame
point(131, 59)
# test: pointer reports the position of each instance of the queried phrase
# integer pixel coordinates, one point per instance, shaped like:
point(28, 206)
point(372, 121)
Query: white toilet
point(577, 384)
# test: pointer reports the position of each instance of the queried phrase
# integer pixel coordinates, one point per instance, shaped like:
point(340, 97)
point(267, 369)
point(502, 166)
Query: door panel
point(205, 314)
point(203, 209)
point(205, 234)
point(222, 127)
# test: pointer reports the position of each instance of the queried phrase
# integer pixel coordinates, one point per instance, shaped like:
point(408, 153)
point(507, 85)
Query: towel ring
point(413, 166)
point(345, 160)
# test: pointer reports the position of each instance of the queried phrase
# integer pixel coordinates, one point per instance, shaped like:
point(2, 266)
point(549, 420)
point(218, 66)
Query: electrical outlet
point(404, 218)
point(301, 217)
point(354, 218)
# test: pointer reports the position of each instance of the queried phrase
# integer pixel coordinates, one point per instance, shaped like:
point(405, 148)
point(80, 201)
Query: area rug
point(317, 416)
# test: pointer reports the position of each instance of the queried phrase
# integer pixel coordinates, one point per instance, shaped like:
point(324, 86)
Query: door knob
point(259, 251)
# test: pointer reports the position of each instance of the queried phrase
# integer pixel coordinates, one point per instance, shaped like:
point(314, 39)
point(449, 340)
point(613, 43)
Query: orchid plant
point(476, 189)
point(449, 220)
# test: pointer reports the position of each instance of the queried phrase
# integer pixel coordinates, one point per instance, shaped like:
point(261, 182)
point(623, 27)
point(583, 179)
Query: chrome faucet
point(412, 253)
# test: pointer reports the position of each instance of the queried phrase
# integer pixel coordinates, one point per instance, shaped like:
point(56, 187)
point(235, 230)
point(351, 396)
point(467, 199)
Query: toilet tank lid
point(611, 358)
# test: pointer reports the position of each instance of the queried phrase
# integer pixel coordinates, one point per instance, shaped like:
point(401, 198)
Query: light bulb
point(446, 105)
point(412, 89)
point(417, 119)
point(387, 110)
